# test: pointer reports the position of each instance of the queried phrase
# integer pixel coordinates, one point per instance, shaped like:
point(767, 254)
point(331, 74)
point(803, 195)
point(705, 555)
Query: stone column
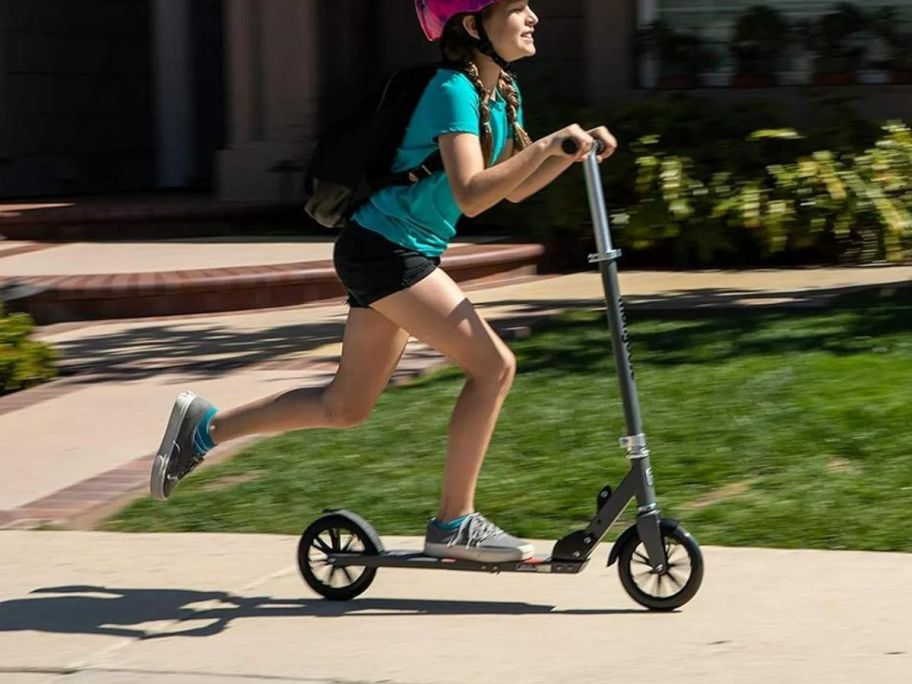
point(610, 31)
point(172, 82)
point(4, 121)
point(273, 85)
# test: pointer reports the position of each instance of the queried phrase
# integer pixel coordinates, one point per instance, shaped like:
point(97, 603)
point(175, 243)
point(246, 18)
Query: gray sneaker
point(176, 457)
point(476, 539)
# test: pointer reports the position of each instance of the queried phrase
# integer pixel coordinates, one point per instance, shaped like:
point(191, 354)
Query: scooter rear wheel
point(673, 587)
point(331, 535)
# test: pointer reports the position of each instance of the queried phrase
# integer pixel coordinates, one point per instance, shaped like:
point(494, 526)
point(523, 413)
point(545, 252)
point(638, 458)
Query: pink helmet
point(434, 14)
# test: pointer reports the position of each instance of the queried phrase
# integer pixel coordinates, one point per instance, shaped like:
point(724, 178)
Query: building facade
point(102, 97)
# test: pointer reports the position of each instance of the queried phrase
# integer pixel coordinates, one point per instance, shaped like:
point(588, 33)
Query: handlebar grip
point(571, 147)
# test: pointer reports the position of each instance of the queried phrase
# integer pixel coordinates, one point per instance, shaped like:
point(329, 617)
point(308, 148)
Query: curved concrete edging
point(132, 295)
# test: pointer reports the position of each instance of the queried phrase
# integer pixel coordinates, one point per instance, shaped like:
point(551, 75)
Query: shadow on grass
point(712, 322)
point(120, 612)
point(845, 323)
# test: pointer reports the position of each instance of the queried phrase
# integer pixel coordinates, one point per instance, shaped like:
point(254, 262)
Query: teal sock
point(202, 441)
point(451, 525)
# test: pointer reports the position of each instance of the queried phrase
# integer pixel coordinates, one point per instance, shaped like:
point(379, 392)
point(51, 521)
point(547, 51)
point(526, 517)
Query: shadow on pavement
point(122, 612)
point(202, 351)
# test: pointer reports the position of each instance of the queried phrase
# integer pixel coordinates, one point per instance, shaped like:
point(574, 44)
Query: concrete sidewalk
point(125, 374)
point(94, 258)
point(205, 609)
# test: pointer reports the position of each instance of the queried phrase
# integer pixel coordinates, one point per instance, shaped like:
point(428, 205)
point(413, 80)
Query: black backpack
point(354, 157)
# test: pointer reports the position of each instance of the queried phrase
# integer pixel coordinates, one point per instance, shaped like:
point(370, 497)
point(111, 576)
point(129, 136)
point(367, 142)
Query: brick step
point(57, 299)
point(143, 217)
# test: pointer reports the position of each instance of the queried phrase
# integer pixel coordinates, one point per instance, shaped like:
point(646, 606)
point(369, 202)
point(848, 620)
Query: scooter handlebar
point(571, 146)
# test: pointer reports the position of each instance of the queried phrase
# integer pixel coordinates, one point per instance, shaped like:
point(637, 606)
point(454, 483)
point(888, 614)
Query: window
point(875, 54)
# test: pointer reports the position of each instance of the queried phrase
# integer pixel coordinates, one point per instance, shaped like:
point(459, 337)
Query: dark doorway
point(207, 41)
point(349, 53)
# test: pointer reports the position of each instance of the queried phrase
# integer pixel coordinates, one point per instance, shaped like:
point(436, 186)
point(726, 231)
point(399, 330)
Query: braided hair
point(456, 44)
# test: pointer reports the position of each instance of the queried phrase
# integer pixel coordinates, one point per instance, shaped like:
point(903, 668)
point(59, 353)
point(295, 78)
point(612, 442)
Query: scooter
point(660, 564)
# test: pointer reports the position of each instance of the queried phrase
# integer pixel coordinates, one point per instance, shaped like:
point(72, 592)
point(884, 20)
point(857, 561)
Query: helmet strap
point(486, 47)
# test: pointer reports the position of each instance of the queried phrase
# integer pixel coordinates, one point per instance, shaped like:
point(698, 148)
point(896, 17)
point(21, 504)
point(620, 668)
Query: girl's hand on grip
point(609, 142)
point(572, 136)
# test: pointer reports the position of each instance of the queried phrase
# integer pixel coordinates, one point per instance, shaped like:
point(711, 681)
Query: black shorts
point(371, 267)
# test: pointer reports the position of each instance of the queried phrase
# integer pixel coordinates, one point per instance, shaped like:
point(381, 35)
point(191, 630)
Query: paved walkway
point(22, 258)
point(89, 608)
point(94, 258)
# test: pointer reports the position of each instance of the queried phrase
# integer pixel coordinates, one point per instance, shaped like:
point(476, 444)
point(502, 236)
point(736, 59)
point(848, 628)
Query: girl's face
point(510, 27)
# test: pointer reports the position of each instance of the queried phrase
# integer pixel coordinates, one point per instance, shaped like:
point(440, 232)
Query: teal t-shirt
point(423, 216)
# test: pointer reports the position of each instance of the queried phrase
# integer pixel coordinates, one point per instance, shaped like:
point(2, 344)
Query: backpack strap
point(394, 110)
point(428, 168)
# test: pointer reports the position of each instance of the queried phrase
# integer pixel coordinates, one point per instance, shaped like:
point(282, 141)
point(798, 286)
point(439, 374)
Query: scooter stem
point(639, 482)
point(607, 260)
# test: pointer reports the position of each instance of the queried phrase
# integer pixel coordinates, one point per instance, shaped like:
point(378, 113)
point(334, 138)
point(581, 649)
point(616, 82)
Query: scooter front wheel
point(676, 584)
point(325, 538)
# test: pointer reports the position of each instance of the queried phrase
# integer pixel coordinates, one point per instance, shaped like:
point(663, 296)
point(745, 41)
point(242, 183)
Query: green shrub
point(854, 206)
point(698, 184)
point(23, 362)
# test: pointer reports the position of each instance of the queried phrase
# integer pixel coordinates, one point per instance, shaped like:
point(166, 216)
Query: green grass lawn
point(767, 428)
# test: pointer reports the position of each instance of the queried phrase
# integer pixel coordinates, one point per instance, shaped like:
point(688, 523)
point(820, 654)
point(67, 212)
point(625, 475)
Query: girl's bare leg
point(436, 311)
point(371, 349)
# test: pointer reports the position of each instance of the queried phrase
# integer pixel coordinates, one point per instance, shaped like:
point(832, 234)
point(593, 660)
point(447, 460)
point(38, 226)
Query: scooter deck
point(417, 560)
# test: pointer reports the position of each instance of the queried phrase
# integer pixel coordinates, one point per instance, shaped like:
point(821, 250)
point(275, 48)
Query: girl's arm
point(477, 189)
point(555, 166)
point(541, 177)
